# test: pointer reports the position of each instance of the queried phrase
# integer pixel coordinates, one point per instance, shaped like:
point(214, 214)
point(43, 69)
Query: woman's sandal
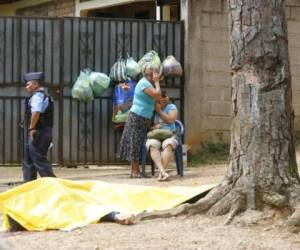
point(135, 175)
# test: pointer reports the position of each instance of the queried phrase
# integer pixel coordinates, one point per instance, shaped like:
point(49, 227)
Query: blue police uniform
point(35, 159)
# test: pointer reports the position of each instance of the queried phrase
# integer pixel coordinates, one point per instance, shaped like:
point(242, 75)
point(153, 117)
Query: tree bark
point(262, 153)
point(262, 169)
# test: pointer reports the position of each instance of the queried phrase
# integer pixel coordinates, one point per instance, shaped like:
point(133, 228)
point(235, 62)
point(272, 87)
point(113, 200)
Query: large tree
point(262, 169)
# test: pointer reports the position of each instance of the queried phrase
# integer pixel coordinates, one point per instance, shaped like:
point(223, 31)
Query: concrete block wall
point(208, 80)
point(215, 71)
point(207, 76)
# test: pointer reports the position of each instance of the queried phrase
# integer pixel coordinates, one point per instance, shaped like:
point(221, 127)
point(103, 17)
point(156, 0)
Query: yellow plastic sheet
point(53, 203)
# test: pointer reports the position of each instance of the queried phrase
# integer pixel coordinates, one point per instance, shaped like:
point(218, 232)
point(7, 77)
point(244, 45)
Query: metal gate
point(83, 132)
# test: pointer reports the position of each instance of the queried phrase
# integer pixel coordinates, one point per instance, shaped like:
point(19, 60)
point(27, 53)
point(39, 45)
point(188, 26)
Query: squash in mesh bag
point(118, 71)
point(133, 69)
point(120, 117)
point(81, 89)
point(171, 67)
point(99, 82)
point(151, 58)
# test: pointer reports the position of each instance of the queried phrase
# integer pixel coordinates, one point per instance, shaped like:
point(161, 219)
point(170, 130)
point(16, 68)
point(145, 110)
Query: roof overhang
point(167, 2)
point(95, 4)
point(8, 1)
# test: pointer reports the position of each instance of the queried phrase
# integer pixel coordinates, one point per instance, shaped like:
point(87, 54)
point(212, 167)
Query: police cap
point(33, 76)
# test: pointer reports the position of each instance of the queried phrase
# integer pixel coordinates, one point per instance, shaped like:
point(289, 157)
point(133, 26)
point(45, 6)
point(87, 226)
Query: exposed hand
point(155, 77)
point(157, 107)
point(32, 134)
point(157, 126)
point(125, 86)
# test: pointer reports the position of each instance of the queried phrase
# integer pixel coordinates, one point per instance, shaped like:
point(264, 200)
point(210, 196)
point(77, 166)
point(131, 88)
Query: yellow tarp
point(53, 203)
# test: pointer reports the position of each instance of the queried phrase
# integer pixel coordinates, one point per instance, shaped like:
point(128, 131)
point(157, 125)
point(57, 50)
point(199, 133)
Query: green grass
point(211, 153)
point(218, 152)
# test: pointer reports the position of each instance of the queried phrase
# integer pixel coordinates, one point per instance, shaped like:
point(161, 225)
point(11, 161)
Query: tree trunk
point(262, 169)
point(262, 153)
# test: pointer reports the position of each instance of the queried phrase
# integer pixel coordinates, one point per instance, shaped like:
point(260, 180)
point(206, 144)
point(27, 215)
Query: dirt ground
point(183, 232)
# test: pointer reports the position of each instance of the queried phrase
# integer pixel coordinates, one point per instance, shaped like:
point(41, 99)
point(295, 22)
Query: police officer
point(39, 123)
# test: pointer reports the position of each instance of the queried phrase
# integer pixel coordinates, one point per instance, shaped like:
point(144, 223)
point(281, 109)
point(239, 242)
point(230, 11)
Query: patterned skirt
point(133, 137)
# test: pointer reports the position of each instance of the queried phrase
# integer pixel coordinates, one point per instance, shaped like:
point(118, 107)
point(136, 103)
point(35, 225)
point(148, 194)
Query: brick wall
point(208, 90)
point(54, 8)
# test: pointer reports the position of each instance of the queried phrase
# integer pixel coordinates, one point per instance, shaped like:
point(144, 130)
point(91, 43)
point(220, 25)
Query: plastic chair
point(178, 151)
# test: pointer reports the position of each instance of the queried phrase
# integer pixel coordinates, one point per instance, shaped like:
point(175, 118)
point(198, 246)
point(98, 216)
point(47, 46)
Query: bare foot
point(164, 177)
point(159, 176)
point(125, 219)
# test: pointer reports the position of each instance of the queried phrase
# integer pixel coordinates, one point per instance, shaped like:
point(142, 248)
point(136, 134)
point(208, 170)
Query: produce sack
point(171, 67)
point(123, 98)
point(118, 71)
point(133, 69)
point(130, 92)
point(99, 82)
point(151, 58)
point(159, 134)
point(82, 90)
